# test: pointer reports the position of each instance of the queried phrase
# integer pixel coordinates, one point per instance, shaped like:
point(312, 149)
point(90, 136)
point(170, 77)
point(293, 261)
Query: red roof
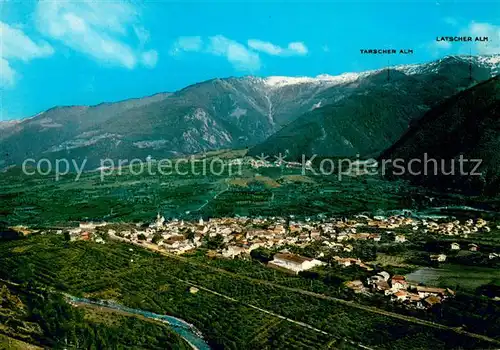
point(292, 257)
point(398, 277)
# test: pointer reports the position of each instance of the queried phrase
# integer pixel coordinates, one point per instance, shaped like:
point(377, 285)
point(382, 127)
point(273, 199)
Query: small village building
point(432, 300)
point(473, 247)
point(234, 251)
point(348, 248)
point(385, 275)
point(100, 240)
point(400, 295)
point(455, 246)
point(357, 286)
point(399, 282)
point(400, 239)
point(381, 286)
point(424, 291)
point(413, 297)
point(85, 236)
point(295, 263)
point(342, 261)
point(438, 257)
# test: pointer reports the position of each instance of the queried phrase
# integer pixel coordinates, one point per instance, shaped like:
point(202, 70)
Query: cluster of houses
point(262, 162)
point(455, 228)
point(473, 247)
point(345, 262)
point(241, 235)
point(85, 232)
point(399, 290)
point(266, 161)
point(449, 228)
point(238, 236)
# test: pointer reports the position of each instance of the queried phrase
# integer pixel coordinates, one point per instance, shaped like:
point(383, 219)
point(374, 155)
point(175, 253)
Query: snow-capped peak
point(275, 82)
point(323, 79)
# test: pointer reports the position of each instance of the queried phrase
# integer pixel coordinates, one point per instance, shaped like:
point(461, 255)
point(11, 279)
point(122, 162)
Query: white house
point(455, 246)
point(438, 257)
point(295, 263)
point(233, 251)
point(398, 282)
point(160, 220)
point(400, 239)
point(385, 275)
point(473, 247)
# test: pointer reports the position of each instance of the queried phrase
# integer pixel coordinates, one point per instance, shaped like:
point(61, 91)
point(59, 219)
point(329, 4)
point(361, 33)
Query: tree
point(67, 236)
point(216, 242)
point(262, 254)
point(156, 238)
point(190, 235)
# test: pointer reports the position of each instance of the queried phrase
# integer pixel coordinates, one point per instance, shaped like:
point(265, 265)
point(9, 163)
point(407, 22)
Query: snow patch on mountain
point(154, 144)
point(48, 123)
point(276, 82)
point(238, 112)
point(491, 61)
point(316, 105)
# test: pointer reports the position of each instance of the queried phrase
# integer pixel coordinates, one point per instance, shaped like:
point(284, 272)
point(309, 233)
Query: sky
point(81, 52)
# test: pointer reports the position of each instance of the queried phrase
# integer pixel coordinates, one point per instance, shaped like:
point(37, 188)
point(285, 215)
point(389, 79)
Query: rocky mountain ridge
point(334, 115)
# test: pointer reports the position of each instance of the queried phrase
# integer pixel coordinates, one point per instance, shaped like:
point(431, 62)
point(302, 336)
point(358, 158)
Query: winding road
point(208, 200)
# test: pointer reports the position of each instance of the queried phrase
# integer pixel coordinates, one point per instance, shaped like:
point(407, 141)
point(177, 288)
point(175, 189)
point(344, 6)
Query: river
point(187, 331)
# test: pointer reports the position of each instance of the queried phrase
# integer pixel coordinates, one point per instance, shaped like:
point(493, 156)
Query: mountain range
point(456, 145)
point(353, 113)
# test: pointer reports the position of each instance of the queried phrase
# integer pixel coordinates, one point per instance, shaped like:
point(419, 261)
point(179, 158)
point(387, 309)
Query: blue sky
point(76, 52)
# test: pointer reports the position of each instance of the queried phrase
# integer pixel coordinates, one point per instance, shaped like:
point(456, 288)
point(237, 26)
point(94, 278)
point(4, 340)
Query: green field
point(41, 200)
point(466, 277)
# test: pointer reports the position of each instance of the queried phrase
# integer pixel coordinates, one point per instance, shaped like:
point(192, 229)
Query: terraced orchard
point(232, 312)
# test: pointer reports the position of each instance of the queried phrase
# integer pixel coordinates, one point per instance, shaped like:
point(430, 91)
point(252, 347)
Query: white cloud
point(7, 74)
point(298, 47)
point(265, 46)
point(186, 44)
point(237, 54)
point(16, 45)
point(293, 48)
point(474, 29)
point(149, 58)
point(451, 21)
point(436, 48)
point(142, 34)
point(100, 30)
point(492, 46)
point(242, 57)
